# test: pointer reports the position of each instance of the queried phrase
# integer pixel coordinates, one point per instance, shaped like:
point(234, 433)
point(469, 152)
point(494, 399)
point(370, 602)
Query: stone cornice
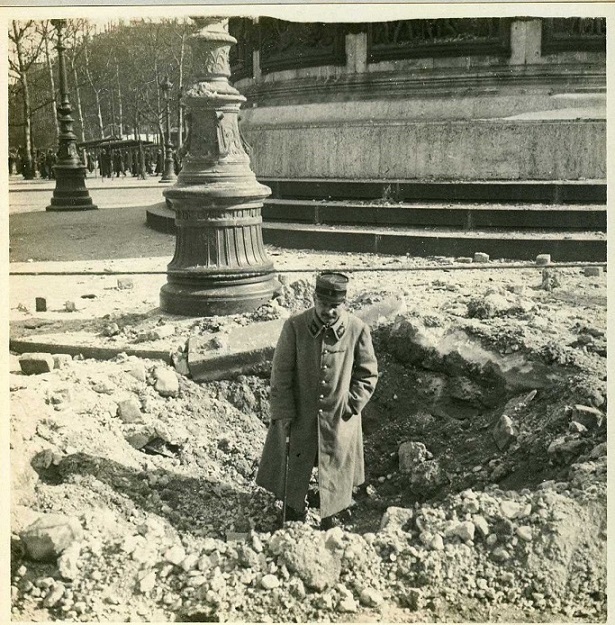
point(439, 83)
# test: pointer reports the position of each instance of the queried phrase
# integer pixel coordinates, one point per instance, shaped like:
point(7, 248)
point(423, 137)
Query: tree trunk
point(101, 126)
point(119, 99)
point(52, 84)
point(77, 96)
point(29, 170)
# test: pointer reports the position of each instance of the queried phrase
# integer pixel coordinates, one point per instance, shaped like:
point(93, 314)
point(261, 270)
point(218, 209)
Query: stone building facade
point(468, 99)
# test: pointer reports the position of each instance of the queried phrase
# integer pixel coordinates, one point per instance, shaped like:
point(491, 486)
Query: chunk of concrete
point(35, 363)
point(129, 410)
point(41, 304)
point(50, 535)
point(124, 284)
point(504, 432)
point(167, 383)
point(543, 259)
point(61, 361)
point(481, 257)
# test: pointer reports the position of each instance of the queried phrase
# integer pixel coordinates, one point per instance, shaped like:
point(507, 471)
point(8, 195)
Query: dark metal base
point(179, 297)
point(70, 193)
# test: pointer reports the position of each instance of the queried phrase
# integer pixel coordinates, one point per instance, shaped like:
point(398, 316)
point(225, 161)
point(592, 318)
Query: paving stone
point(35, 363)
point(592, 272)
point(543, 259)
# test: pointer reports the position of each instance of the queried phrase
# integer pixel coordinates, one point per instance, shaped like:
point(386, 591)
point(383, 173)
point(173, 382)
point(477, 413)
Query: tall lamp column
point(169, 166)
point(70, 193)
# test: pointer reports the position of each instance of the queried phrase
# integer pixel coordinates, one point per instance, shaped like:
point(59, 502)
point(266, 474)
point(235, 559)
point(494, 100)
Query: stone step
point(465, 216)
point(572, 246)
point(493, 191)
point(508, 243)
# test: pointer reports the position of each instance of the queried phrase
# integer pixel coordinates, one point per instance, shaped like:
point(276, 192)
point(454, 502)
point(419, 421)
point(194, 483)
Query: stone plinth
point(220, 265)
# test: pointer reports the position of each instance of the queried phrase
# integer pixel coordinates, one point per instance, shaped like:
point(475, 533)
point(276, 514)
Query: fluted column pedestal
point(220, 266)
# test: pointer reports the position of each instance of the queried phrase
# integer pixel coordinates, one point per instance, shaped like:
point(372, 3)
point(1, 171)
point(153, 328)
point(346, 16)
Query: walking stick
point(285, 488)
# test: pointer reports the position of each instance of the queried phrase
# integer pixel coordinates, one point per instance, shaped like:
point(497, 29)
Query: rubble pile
point(133, 495)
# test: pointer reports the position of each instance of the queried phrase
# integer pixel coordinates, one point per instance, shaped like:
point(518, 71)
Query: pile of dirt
point(486, 475)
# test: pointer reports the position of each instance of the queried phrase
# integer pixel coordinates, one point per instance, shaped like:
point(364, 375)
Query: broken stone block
point(70, 306)
point(318, 567)
point(543, 259)
point(111, 329)
point(136, 369)
point(427, 477)
point(412, 453)
point(180, 362)
point(125, 284)
point(52, 598)
point(162, 332)
point(129, 410)
point(396, 517)
point(68, 562)
point(167, 383)
point(370, 598)
point(463, 259)
point(50, 535)
point(589, 272)
point(550, 280)
point(588, 416)
point(504, 432)
point(564, 448)
point(61, 361)
point(35, 363)
point(577, 428)
point(464, 530)
point(41, 304)
point(481, 257)
point(480, 523)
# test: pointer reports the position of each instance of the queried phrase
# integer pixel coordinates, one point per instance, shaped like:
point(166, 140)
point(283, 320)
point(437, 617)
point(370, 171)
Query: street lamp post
point(169, 166)
point(220, 266)
point(70, 193)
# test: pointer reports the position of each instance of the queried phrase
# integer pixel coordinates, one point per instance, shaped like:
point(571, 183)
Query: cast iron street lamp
point(70, 193)
point(220, 266)
point(169, 166)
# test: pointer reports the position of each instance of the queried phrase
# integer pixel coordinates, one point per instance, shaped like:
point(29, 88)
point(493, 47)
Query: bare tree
point(26, 49)
point(46, 29)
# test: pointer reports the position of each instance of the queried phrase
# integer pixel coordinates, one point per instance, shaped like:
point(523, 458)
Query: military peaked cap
point(332, 286)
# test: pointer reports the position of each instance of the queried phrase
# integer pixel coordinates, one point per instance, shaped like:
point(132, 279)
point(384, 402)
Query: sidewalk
point(19, 184)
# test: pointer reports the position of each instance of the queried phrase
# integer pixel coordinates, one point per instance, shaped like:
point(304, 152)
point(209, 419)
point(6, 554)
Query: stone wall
point(529, 113)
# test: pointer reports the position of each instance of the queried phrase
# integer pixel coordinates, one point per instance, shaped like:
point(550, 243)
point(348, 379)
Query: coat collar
point(316, 326)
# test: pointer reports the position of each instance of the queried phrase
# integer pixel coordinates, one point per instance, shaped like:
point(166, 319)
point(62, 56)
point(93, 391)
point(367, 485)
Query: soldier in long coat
point(324, 373)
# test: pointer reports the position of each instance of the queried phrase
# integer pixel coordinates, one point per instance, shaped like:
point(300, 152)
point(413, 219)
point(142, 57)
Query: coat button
point(320, 412)
point(323, 383)
point(322, 397)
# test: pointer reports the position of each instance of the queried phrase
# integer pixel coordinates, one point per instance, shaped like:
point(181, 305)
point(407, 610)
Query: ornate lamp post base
point(216, 295)
point(220, 266)
point(70, 193)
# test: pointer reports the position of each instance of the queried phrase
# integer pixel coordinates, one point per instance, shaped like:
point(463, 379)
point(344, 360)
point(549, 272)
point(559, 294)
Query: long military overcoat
point(321, 379)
